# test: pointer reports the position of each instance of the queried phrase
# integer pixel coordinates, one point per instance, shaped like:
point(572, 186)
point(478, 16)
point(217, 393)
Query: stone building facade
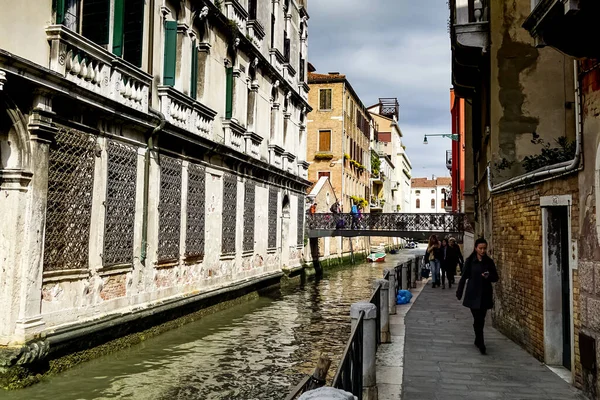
point(339, 137)
point(567, 27)
point(151, 153)
point(429, 196)
point(522, 158)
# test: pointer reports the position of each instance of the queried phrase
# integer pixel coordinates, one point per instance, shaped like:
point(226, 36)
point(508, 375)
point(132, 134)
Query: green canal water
point(258, 350)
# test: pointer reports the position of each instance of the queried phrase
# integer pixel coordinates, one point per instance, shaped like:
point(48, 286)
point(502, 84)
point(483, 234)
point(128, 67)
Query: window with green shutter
point(325, 99)
point(95, 20)
point(194, 77)
point(133, 31)
point(170, 53)
point(229, 94)
point(60, 11)
point(119, 14)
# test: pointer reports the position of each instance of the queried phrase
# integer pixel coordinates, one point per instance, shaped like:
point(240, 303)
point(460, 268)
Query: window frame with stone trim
point(327, 100)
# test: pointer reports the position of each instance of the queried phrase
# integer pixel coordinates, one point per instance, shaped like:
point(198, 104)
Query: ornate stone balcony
point(92, 67)
point(234, 135)
point(303, 169)
point(237, 13)
point(276, 155)
point(253, 142)
point(186, 113)
point(277, 60)
point(256, 32)
point(288, 162)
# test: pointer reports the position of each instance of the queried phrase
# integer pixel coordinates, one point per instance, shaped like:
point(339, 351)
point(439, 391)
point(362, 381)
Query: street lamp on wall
point(452, 136)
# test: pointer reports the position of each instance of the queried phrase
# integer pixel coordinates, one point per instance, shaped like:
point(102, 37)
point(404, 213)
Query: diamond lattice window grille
point(229, 213)
point(69, 207)
point(120, 204)
point(196, 200)
point(249, 215)
point(272, 220)
point(169, 209)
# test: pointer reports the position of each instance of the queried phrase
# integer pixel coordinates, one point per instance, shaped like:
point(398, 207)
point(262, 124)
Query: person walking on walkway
point(479, 274)
point(445, 266)
point(433, 257)
point(454, 257)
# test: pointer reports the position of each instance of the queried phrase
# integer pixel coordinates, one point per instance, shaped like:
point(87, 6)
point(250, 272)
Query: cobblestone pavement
point(442, 363)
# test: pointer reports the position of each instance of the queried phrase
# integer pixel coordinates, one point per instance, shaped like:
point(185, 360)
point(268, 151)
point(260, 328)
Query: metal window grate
point(300, 238)
point(169, 209)
point(194, 243)
point(272, 220)
point(249, 213)
point(229, 213)
point(120, 204)
point(69, 208)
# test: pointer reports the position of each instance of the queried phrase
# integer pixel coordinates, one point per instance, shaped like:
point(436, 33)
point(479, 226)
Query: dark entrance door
point(558, 242)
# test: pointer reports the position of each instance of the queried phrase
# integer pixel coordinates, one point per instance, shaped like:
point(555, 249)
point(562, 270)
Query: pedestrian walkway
point(442, 363)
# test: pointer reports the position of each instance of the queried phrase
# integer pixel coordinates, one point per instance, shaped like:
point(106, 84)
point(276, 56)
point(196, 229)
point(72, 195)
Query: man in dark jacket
point(453, 257)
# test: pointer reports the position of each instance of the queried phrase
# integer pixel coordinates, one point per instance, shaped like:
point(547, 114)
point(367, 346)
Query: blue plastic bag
point(403, 297)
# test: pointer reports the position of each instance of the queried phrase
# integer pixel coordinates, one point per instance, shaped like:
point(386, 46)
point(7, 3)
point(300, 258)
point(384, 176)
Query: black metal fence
point(376, 300)
point(350, 371)
point(300, 388)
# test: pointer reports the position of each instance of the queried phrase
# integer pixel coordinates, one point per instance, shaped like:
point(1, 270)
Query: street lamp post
point(454, 136)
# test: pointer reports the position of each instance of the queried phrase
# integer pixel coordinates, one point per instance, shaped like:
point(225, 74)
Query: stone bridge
point(413, 226)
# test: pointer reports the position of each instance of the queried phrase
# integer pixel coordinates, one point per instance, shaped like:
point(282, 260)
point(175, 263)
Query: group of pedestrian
point(443, 257)
point(478, 272)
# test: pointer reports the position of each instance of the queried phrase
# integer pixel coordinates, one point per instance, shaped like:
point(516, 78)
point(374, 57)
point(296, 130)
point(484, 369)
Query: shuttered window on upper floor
point(325, 99)
point(95, 17)
point(324, 140)
point(229, 93)
point(170, 53)
point(132, 31)
point(92, 19)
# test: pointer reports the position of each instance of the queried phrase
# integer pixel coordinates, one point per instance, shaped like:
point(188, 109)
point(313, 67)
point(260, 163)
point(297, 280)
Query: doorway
point(558, 316)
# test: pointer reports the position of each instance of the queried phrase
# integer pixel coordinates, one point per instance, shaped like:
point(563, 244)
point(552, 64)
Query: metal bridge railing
point(376, 301)
point(454, 223)
point(350, 371)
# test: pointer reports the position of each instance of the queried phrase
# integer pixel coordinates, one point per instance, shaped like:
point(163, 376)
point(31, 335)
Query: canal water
point(258, 350)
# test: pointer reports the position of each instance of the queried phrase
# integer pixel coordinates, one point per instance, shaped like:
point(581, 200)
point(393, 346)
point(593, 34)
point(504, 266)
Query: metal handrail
point(348, 376)
point(376, 300)
point(299, 389)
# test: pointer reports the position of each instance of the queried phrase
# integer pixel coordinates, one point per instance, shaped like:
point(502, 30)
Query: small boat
point(376, 257)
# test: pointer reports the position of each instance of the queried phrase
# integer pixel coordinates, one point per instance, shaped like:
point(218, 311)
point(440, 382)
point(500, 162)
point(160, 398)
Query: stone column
point(392, 289)
point(384, 301)
point(369, 345)
point(404, 276)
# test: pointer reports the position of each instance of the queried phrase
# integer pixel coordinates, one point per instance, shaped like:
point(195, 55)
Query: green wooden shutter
point(229, 94)
point(118, 28)
point(60, 11)
point(194, 83)
point(95, 20)
point(133, 31)
point(170, 53)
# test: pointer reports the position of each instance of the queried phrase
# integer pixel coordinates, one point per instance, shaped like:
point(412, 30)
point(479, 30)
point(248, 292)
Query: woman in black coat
point(479, 273)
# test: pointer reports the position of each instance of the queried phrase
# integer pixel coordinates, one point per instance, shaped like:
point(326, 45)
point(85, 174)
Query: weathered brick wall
point(114, 286)
point(517, 250)
point(589, 245)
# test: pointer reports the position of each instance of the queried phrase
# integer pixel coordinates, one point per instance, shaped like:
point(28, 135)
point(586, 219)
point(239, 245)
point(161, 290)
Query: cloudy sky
point(392, 48)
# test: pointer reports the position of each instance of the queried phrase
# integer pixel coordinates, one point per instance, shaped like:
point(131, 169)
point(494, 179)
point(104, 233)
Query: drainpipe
point(150, 147)
point(551, 171)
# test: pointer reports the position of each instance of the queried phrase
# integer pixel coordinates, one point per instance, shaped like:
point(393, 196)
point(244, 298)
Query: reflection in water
point(254, 351)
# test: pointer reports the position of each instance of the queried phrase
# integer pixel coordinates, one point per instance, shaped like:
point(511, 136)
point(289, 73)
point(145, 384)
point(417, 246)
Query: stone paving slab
point(441, 362)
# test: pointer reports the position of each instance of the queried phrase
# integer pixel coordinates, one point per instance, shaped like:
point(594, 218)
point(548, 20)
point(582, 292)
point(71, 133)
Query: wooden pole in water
point(319, 377)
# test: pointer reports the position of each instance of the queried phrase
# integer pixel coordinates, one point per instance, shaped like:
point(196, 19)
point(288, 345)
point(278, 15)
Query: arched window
point(418, 203)
point(432, 203)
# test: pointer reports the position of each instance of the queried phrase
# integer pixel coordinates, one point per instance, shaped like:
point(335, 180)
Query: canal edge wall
point(65, 348)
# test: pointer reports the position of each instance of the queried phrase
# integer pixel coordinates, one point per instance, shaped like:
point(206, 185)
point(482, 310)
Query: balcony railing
point(186, 113)
point(237, 13)
point(92, 67)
